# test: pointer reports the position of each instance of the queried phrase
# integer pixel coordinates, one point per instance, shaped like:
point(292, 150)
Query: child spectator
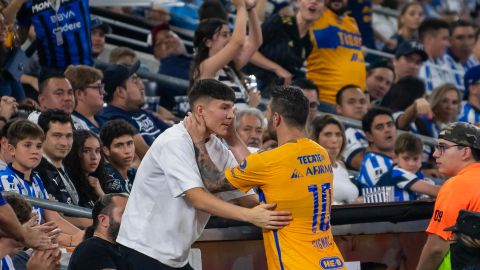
point(119, 149)
point(86, 166)
point(405, 176)
point(25, 143)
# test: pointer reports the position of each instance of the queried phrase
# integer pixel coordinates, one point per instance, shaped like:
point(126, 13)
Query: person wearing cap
point(457, 155)
point(98, 30)
point(434, 35)
point(409, 57)
point(465, 251)
point(99, 250)
point(471, 107)
point(125, 95)
point(380, 76)
point(457, 57)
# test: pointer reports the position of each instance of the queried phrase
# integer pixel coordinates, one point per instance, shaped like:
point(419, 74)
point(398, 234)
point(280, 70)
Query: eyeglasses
point(442, 147)
point(314, 105)
point(99, 87)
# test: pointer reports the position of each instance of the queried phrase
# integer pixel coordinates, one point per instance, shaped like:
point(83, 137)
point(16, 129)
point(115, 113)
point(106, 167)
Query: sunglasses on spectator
point(99, 87)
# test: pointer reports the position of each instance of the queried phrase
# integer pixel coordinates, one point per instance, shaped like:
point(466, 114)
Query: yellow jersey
point(297, 176)
point(336, 58)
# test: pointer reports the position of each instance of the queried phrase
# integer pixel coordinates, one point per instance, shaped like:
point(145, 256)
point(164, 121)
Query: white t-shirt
point(158, 220)
point(344, 191)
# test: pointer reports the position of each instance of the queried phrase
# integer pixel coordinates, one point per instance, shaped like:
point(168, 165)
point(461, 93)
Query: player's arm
point(425, 188)
point(433, 252)
point(261, 215)
point(213, 179)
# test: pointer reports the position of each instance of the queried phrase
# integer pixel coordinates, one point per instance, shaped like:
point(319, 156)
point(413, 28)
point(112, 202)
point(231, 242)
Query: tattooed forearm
point(213, 179)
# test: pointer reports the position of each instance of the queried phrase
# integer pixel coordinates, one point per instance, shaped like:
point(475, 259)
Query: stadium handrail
point(385, 11)
point(71, 210)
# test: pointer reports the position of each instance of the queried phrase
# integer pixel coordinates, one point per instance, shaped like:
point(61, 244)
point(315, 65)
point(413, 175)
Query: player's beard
point(272, 133)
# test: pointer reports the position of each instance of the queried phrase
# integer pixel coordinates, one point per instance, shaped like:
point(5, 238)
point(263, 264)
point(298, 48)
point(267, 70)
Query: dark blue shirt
point(63, 37)
point(100, 120)
point(147, 124)
point(115, 181)
point(361, 10)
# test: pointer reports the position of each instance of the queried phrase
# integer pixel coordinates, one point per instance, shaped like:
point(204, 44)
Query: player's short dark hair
point(291, 104)
point(338, 97)
point(22, 209)
point(431, 26)
point(22, 129)
point(104, 205)
point(114, 129)
point(44, 78)
point(210, 88)
point(408, 143)
point(368, 118)
point(460, 23)
point(54, 115)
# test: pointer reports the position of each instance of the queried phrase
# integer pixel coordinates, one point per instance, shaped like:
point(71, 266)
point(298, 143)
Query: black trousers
point(139, 261)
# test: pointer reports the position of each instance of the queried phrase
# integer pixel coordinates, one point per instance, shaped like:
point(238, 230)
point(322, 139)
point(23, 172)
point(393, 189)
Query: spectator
point(99, 250)
point(405, 176)
point(465, 249)
point(310, 90)
point(249, 125)
point(70, 42)
point(329, 133)
point(40, 259)
point(5, 155)
point(25, 139)
point(457, 58)
point(381, 133)
point(475, 57)
point(411, 16)
point(119, 149)
point(433, 34)
point(86, 166)
point(122, 56)
point(353, 103)
point(336, 40)
point(126, 97)
point(56, 93)
point(380, 76)
point(384, 26)
point(221, 57)
point(169, 49)
point(445, 104)
point(165, 178)
point(457, 155)
point(8, 107)
point(471, 107)
point(212, 9)
point(286, 45)
point(89, 92)
point(408, 59)
point(98, 30)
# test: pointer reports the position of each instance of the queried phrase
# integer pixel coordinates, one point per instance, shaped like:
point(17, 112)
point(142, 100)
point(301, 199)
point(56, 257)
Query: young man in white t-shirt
point(169, 206)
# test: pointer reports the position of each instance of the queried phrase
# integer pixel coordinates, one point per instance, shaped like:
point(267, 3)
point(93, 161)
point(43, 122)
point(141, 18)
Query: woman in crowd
point(221, 55)
point(85, 165)
point(330, 133)
point(411, 16)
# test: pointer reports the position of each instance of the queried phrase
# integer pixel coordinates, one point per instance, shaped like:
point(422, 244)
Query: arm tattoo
point(213, 179)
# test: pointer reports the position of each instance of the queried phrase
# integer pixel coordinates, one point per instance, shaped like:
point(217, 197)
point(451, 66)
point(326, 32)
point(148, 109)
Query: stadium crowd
point(76, 133)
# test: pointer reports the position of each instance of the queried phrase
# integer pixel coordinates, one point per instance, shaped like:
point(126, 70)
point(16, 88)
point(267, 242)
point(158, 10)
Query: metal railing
point(70, 210)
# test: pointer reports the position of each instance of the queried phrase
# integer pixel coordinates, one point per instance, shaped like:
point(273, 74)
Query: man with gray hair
point(249, 126)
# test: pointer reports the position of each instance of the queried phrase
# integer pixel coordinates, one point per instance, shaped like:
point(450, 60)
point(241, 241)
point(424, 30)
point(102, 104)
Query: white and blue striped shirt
point(452, 64)
point(374, 165)
point(434, 74)
point(13, 180)
point(469, 113)
point(6, 263)
point(356, 142)
point(401, 180)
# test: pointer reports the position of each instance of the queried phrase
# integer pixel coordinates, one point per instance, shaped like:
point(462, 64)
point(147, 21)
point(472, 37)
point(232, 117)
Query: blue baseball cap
point(471, 76)
point(411, 47)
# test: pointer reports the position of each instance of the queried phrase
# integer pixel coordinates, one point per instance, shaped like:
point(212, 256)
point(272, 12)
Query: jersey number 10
point(324, 218)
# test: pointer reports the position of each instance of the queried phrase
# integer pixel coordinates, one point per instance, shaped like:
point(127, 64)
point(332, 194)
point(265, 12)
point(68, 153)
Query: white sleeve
point(354, 144)
point(177, 160)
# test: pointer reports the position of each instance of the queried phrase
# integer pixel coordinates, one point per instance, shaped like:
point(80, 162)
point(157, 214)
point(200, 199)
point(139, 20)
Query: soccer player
point(297, 175)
